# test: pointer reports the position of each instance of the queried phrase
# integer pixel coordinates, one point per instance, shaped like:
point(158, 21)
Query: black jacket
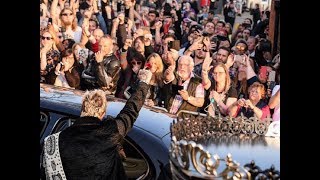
point(95, 75)
point(89, 148)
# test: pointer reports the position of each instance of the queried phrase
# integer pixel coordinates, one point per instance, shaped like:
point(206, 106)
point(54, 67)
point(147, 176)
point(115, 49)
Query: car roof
point(65, 100)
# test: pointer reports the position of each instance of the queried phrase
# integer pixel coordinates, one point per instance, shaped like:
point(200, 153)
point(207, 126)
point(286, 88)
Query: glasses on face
point(136, 63)
point(216, 73)
point(66, 14)
point(44, 37)
point(240, 48)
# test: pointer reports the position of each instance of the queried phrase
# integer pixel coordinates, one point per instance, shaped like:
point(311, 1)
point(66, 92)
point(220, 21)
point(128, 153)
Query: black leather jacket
point(103, 75)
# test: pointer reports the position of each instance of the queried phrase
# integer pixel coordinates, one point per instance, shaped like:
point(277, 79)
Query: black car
point(146, 145)
point(160, 146)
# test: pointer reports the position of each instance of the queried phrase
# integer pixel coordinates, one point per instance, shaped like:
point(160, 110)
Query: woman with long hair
point(155, 64)
point(220, 94)
point(66, 73)
point(49, 56)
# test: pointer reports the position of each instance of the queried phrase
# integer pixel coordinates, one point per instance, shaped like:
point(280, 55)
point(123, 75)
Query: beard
point(152, 23)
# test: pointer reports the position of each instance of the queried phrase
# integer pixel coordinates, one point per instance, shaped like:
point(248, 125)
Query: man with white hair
point(91, 148)
point(185, 91)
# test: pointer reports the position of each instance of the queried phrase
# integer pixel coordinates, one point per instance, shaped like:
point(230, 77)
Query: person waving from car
point(91, 148)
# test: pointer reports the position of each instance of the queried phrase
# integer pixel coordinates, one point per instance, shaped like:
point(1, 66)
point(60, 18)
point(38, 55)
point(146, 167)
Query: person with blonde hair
point(254, 106)
point(155, 95)
point(91, 148)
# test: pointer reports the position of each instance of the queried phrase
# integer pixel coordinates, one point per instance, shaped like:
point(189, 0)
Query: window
point(135, 165)
point(62, 124)
point(44, 119)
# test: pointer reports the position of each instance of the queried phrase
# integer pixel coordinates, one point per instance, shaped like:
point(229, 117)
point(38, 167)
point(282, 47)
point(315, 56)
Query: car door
point(136, 164)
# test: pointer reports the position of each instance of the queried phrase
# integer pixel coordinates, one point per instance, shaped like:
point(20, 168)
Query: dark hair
point(70, 42)
point(169, 35)
point(249, 20)
point(224, 24)
point(97, 23)
point(66, 53)
point(225, 48)
point(154, 12)
point(167, 9)
point(195, 27)
point(264, 45)
point(134, 54)
point(267, 14)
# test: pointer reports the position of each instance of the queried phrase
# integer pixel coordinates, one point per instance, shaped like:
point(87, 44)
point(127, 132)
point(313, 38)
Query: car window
point(135, 164)
point(44, 120)
point(63, 124)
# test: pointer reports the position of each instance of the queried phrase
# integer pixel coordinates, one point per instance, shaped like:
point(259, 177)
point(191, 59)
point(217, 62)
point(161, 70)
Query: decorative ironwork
point(189, 159)
point(195, 124)
point(183, 154)
point(257, 173)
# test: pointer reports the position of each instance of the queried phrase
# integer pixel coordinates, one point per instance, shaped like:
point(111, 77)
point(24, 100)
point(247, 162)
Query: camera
point(127, 93)
point(176, 88)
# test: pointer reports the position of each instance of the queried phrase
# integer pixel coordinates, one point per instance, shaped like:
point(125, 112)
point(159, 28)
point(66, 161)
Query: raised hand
point(206, 43)
point(241, 102)
point(158, 25)
point(147, 39)
point(127, 43)
point(168, 73)
point(206, 65)
point(99, 56)
point(230, 60)
point(197, 44)
point(121, 18)
point(145, 75)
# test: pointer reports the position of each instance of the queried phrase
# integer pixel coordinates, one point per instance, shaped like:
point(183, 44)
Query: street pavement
point(239, 19)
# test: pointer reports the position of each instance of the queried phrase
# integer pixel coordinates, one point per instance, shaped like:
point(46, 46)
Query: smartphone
point(174, 45)
point(272, 76)
point(263, 72)
point(126, 92)
point(176, 88)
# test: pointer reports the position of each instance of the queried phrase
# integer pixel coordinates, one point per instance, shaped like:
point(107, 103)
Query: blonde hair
point(94, 103)
point(158, 75)
point(74, 22)
point(258, 86)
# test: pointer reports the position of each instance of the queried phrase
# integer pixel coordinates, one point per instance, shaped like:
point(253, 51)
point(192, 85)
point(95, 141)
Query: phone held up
point(176, 88)
point(174, 45)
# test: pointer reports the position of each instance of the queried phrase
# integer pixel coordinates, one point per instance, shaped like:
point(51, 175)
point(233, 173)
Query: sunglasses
point(66, 14)
point(136, 63)
point(240, 48)
point(48, 38)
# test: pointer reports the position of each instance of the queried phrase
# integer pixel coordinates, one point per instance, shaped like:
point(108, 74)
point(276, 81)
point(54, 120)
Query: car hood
point(152, 120)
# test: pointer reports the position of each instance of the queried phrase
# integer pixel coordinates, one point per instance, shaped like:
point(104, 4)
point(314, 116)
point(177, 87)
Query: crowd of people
point(200, 61)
